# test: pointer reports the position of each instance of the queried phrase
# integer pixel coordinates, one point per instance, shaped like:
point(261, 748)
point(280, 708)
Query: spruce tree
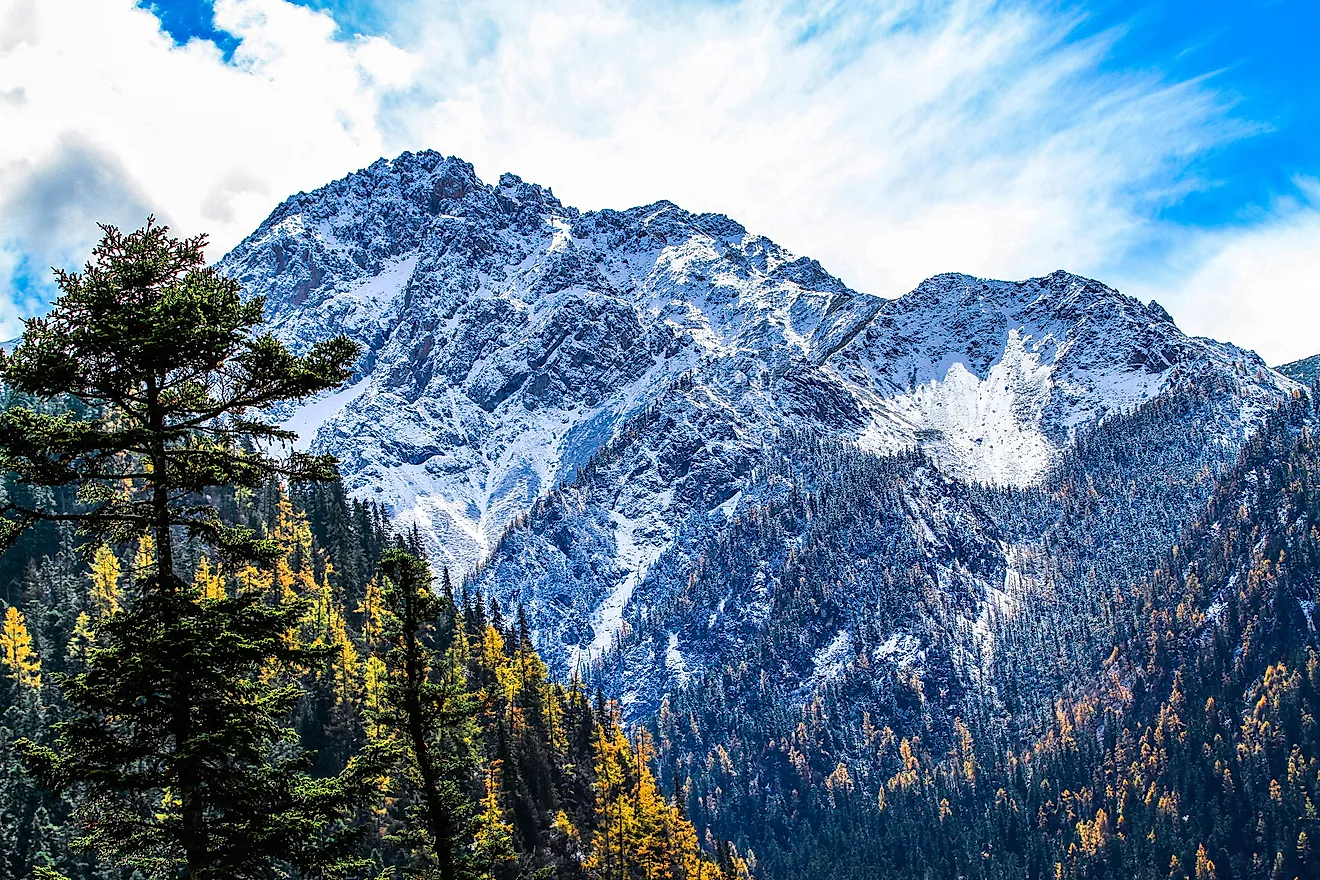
point(425, 711)
point(176, 750)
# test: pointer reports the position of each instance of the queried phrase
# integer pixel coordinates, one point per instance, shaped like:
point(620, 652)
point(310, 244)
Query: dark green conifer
point(427, 714)
point(176, 750)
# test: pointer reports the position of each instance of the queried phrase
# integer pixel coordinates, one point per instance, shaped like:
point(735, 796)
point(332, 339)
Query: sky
point(1168, 148)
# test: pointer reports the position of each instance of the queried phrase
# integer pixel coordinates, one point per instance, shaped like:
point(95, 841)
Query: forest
point(1190, 750)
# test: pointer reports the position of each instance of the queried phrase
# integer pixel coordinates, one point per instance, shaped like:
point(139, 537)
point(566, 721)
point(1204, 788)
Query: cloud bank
point(890, 140)
point(107, 118)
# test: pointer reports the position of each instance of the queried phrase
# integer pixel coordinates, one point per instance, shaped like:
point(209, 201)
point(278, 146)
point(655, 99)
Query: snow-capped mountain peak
point(511, 340)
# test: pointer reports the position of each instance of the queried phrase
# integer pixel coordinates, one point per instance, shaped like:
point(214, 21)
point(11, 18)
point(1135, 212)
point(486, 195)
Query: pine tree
point(173, 749)
point(427, 714)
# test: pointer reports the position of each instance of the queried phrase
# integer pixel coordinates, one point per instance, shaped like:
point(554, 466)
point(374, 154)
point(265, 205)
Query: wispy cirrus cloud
point(890, 140)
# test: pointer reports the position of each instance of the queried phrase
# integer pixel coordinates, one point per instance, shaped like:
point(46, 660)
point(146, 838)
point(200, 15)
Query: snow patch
point(900, 649)
point(728, 508)
point(674, 661)
point(830, 661)
point(308, 418)
point(984, 430)
point(634, 556)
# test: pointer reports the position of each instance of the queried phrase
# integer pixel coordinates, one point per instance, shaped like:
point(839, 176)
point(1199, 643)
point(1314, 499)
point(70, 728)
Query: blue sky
point(1262, 54)
point(1171, 149)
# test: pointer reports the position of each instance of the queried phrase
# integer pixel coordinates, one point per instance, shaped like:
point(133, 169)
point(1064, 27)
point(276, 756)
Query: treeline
point(214, 665)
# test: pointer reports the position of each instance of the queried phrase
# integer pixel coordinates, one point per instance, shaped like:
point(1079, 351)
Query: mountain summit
point(509, 337)
point(652, 362)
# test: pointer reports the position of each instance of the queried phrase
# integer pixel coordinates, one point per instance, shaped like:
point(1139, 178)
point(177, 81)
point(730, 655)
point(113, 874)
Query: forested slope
point(1192, 752)
point(554, 774)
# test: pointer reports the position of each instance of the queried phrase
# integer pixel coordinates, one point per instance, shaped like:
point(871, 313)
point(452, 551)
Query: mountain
point(1184, 751)
point(559, 399)
point(992, 580)
point(508, 337)
point(1306, 371)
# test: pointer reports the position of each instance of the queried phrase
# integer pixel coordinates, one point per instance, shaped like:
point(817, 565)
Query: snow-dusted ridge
point(511, 340)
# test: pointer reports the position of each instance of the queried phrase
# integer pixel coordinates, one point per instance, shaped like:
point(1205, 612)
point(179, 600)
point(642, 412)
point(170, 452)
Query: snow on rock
point(307, 419)
point(992, 378)
point(674, 661)
point(829, 660)
point(554, 398)
point(900, 649)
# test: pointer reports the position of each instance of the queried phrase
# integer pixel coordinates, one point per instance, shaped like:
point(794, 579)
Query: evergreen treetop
point(164, 352)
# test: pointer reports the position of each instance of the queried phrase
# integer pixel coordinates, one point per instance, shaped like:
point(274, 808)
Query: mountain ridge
point(396, 252)
point(640, 365)
point(1305, 371)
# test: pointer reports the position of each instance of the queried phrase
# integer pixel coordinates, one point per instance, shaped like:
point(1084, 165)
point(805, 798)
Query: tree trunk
point(160, 493)
point(437, 820)
point(194, 834)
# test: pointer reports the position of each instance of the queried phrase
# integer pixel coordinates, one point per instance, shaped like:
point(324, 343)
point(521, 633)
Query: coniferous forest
point(218, 665)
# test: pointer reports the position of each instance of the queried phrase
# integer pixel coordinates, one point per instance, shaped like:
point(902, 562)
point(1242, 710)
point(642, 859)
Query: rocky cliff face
point(651, 361)
point(508, 338)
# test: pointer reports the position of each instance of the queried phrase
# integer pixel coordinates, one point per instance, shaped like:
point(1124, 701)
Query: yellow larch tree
point(22, 663)
point(372, 610)
point(492, 844)
point(374, 677)
point(654, 846)
point(345, 668)
point(105, 574)
point(499, 676)
point(615, 819)
point(82, 638)
point(209, 582)
point(639, 833)
point(144, 560)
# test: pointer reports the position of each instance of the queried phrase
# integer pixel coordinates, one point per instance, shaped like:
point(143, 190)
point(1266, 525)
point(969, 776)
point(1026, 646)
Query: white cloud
point(890, 140)
point(1257, 285)
point(890, 144)
point(109, 118)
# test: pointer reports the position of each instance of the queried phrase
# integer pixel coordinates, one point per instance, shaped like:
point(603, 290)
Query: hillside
point(1306, 371)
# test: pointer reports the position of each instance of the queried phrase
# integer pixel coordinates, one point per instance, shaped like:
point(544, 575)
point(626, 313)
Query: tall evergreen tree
point(427, 713)
point(176, 750)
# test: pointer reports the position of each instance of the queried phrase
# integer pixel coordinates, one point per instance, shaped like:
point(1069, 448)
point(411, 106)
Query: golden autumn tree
point(105, 574)
point(615, 821)
point(640, 835)
point(209, 581)
point(20, 660)
point(492, 842)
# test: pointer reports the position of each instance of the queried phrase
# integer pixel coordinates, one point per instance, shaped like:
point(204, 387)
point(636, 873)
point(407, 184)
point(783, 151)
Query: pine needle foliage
point(426, 712)
point(175, 751)
point(164, 348)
